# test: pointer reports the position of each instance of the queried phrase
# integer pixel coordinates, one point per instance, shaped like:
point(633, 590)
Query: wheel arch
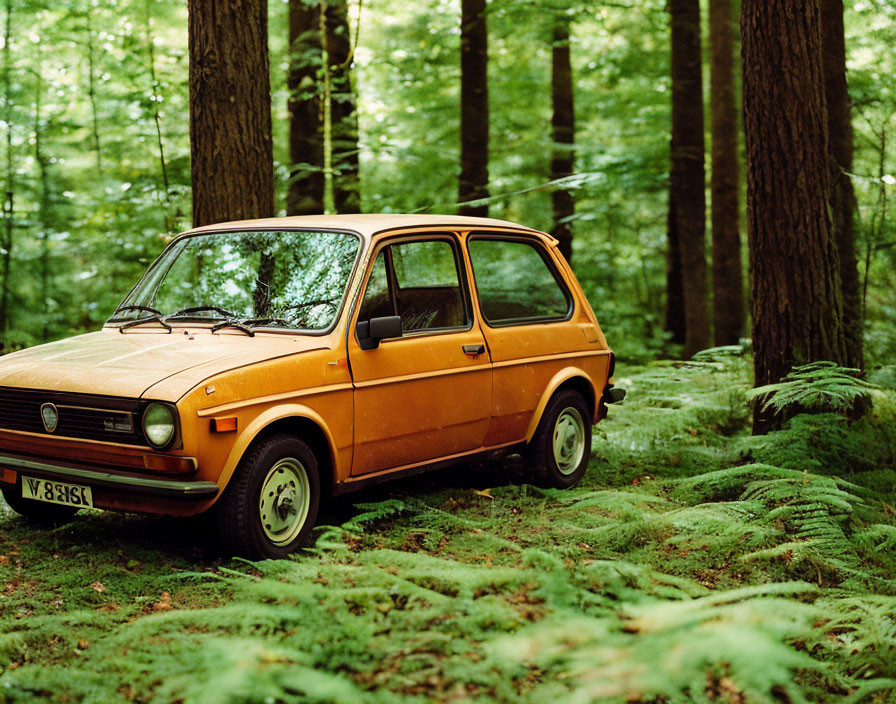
point(570, 378)
point(296, 420)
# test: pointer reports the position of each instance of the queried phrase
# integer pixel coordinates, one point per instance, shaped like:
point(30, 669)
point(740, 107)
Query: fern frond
point(817, 386)
point(881, 535)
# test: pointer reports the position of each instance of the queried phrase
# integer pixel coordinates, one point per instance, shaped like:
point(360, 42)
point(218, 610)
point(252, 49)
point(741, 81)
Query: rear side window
point(515, 283)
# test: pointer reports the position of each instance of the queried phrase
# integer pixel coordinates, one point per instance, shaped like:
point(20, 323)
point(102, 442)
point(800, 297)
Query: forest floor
point(693, 563)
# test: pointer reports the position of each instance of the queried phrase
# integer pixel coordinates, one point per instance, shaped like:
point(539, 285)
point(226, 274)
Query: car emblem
point(50, 416)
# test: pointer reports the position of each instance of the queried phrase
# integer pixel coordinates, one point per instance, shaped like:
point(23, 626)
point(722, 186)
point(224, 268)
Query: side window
point(419, 281)
point(377, 301)
point(515, 283)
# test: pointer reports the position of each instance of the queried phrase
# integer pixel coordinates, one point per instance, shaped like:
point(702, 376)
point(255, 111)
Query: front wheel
point(270, 505)
point(559, 451)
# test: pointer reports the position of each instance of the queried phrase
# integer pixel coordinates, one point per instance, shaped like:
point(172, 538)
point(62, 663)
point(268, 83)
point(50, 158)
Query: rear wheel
point(36, 511)
point(271, 503)
point(559, 451)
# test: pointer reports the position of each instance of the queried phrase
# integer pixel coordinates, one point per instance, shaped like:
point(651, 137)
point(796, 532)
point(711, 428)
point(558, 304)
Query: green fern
point(819, 386)
point(825, 443)
point(672, 649)
point(881, 536)
point(860, 633)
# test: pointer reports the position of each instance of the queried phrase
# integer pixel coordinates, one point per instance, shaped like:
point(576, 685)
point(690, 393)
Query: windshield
point(284, 279)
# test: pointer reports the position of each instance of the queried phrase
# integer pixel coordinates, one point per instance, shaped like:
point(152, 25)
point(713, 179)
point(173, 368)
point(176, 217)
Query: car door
point(426, 395)
point(531, 325)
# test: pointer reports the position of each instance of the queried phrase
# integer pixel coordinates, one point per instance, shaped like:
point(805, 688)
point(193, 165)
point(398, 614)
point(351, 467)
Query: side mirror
point(370, 332)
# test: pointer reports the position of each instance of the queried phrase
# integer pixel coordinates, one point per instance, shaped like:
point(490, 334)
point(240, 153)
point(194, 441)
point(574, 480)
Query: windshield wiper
point(122, 309)
point(258, 322)
point(233, 324)
point(185, 312)
point(160, 319)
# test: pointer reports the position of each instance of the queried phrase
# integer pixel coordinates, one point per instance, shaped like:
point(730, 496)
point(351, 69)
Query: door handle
point(474, 350)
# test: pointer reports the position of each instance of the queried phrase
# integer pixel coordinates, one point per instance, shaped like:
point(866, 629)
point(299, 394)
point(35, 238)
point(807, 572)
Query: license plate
point(56, 492)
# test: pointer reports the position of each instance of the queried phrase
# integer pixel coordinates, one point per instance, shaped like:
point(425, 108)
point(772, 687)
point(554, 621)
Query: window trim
point(540, 249)
point(344, 302)
point(405, 238)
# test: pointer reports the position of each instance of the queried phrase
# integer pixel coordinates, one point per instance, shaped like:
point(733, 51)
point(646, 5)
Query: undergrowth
point(694, 563)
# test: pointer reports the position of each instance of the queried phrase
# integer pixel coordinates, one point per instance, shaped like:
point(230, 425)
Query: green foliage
point(680, 650)
point(819, 386)
point(828, 443)
point(100, 154)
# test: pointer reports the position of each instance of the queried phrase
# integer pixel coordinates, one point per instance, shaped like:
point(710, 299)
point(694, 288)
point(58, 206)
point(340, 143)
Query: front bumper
point(129, 483)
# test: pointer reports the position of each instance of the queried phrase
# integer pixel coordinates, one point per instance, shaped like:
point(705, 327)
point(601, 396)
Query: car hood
point(131, 364)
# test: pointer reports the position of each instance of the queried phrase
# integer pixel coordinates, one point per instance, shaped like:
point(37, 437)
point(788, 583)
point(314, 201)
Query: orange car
point(258, 365)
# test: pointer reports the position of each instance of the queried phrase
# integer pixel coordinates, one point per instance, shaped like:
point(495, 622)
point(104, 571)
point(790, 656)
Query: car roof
point(367, 225)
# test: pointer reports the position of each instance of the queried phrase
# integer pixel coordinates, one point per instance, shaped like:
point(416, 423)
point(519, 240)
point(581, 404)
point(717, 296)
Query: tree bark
point(44, 204)
point(563, 129)
point(346, 164)
point(308, 182)
point(306, 129)
point(675, 319)
point(687, 180)
point(474, 121)
point(91, 90)
point(843, 199)
point(232, 163)
point(155, 87)
point(727, 273)
point(794, 267)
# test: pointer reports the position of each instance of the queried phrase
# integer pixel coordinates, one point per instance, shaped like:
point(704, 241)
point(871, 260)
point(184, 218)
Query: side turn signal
point(223, 425)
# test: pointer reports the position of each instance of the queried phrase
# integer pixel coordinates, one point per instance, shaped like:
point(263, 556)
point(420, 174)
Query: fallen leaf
point(98, 587)
point(83, 644)
point(485, 492)
point(163, 604)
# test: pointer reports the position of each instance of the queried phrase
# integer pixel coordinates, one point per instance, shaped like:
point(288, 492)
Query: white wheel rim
point(284, 501)
point(569, 441)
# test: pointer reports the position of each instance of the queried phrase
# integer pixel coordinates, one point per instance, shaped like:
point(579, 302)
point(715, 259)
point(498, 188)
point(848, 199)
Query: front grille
point(80, 415)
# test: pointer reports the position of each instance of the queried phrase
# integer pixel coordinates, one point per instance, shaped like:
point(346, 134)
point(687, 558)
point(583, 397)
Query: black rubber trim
point(167, 488)
point(614, 395)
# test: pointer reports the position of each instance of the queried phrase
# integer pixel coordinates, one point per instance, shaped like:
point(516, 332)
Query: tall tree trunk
point(156, 114)
point(675, 320)
point(346, 164)
point(843, 199)
point(310, 41)
point(91, 91)
point(232, 163)
point(474, 121)
point(727, 273)
point(563, 129)
point(44, 204)
point(306, 130)
point(794, 267)
point(687, 179)
point(9, 202)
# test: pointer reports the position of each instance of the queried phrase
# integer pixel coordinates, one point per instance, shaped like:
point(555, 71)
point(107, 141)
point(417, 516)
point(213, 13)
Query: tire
point(270, 527)
point(560, 449)
point(37, 511)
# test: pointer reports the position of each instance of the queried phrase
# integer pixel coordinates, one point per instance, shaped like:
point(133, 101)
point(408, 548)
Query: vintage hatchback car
point(258, 365)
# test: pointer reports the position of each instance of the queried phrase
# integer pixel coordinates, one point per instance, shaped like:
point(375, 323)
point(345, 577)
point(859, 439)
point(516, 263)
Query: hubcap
point(284, 501)
point(569, 440)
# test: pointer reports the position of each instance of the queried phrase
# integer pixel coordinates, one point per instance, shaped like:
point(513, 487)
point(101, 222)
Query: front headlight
point(159, 425)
